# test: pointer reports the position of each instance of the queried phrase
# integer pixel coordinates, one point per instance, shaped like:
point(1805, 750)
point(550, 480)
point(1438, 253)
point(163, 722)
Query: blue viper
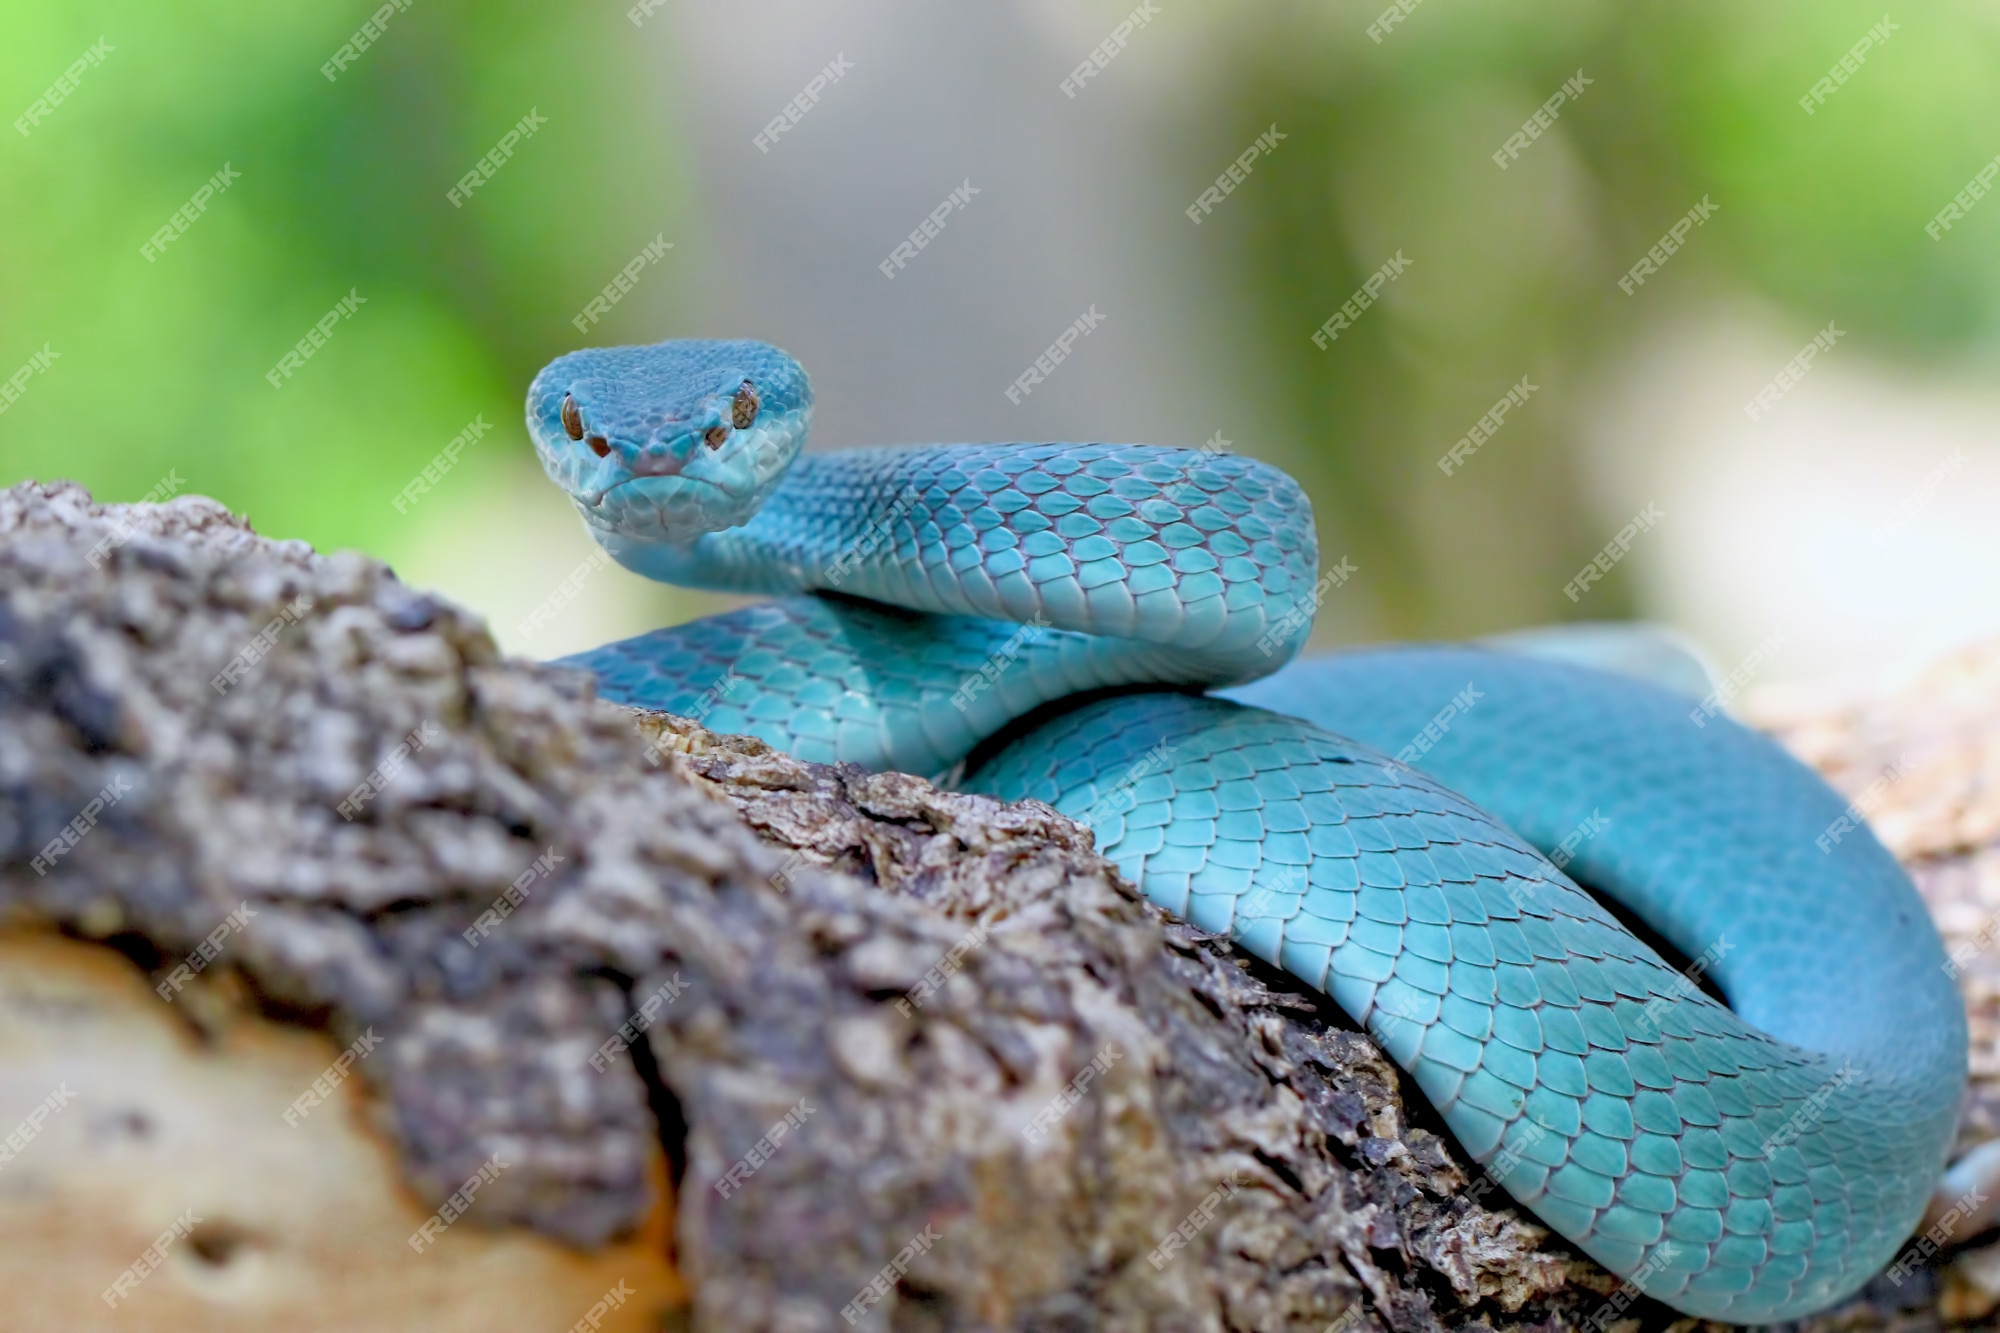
point(1750, 1162)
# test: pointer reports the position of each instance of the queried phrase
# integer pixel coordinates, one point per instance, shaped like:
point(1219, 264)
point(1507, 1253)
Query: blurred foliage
point(1515, 272)
point(1389, 149)
point(343, 186)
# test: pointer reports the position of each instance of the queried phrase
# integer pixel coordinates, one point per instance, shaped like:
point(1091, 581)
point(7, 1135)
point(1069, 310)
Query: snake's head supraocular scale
point(660, 444)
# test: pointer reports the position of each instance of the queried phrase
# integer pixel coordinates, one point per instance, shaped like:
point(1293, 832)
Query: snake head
point(664, 443)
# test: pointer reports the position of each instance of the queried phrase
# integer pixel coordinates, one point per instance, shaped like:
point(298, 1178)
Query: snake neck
point(1210, 556)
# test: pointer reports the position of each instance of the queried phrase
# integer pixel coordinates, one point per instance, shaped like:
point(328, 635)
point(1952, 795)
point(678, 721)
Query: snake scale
point(1113, 629)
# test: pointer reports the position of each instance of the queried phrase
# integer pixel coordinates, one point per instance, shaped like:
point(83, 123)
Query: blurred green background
point(342, 187)
point(1388, 148)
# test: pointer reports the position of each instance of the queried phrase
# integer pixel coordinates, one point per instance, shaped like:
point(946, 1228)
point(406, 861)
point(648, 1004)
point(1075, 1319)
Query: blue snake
point(1113, 629)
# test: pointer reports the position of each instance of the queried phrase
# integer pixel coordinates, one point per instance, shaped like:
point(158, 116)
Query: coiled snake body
point(1751, 1163)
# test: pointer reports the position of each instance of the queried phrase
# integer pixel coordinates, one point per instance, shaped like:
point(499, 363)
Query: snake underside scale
point(1749, 1162)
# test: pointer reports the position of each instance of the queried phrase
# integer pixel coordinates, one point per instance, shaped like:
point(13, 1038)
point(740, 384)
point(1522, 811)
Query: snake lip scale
point(1754, 1161)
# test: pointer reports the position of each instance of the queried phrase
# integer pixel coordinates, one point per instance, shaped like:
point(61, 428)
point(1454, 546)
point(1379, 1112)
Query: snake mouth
point(596, 500)
point(669, 509)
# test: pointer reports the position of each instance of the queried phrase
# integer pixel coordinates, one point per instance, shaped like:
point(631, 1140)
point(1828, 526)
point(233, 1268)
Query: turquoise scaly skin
point(1749, 1165)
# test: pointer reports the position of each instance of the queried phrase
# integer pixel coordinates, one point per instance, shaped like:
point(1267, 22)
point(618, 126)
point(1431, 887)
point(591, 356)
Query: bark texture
point(916, 1059)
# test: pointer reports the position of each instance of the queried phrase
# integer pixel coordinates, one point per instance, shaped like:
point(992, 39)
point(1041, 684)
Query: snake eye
point(572, 419)
point(600, 446)
point(714, 436)
point(743, 408)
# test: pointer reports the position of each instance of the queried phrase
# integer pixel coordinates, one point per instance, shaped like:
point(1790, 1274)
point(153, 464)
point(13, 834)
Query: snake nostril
point(599, 446)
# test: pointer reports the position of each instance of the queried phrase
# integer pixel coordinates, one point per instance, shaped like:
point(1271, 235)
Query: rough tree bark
point(1087, 1116)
